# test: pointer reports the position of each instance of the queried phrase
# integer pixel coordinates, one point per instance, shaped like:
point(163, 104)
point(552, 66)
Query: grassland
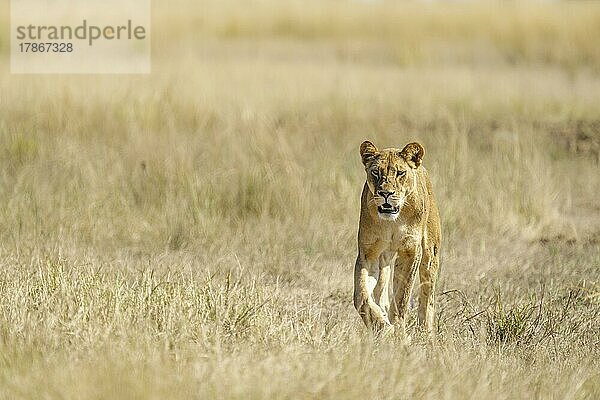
point(191, 233)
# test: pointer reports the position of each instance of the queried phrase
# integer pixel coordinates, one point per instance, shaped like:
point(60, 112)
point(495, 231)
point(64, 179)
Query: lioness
point(400, 227)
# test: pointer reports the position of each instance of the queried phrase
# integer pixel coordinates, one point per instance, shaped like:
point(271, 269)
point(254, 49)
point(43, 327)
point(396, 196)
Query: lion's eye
point(375, 173)
point(400, 173)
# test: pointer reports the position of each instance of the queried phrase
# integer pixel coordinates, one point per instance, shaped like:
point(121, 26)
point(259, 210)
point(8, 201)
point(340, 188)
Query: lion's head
point(391, 175)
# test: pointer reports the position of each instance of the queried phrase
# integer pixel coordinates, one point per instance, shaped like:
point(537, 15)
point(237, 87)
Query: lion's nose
point(385, 194)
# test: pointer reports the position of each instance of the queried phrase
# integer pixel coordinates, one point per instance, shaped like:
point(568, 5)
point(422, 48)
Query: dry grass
point(191, 234)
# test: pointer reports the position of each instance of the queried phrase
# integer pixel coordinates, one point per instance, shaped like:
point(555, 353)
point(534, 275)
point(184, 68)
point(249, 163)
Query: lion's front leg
point(405, 270)
point(366, 276)
point(382, 289)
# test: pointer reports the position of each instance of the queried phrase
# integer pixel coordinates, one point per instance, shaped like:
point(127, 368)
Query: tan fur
point(393, 247)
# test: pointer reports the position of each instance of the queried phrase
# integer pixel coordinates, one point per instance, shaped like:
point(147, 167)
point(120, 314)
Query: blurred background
point(238, 157)
point(255, 109)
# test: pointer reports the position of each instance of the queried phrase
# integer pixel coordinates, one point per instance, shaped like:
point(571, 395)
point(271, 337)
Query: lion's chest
point(396, 239)
point(393, 240)
point(387, 241)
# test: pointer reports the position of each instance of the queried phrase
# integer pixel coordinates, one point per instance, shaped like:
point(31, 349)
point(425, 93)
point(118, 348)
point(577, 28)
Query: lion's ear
point(413, 154)
point(367, 151)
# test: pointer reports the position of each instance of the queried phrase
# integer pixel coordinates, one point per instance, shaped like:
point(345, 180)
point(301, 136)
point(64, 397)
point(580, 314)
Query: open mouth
point(387, 208)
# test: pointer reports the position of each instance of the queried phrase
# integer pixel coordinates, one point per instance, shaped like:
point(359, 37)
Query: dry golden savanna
point(192, 233)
